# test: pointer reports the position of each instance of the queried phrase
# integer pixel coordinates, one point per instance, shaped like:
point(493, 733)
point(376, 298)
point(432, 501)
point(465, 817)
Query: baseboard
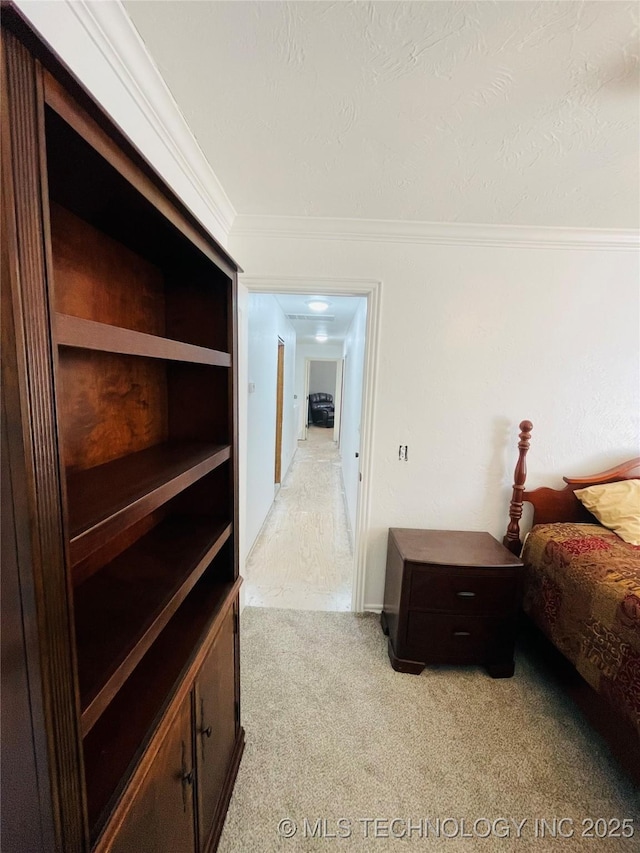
point(262, 527)
point(346, 513)
point(277, 487)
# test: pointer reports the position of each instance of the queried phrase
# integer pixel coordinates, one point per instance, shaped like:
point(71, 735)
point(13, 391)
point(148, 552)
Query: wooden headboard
point(551, 505)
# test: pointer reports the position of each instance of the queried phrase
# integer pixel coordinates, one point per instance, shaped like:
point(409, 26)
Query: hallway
point(302, 559)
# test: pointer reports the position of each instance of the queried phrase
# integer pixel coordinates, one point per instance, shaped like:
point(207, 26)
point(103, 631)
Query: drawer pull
point(207, 732)
point(466, 594)
point(462, 633)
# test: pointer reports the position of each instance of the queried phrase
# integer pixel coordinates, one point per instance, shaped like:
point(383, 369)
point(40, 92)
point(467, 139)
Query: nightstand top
point(452, 548)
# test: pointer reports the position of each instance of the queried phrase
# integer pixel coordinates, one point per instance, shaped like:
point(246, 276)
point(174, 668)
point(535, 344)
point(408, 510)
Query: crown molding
point(127, 62)
point(126, 70)
point(435, 233)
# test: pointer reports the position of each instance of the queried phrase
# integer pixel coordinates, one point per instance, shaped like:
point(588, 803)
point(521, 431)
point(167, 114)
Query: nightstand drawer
point(440, 638)
point(450, 596)
point(464, 591)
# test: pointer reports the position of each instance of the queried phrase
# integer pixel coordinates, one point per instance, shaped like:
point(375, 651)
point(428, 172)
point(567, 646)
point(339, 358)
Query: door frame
point(307, 373)
point(277, 476)
point(337, 394)
point(371, 289)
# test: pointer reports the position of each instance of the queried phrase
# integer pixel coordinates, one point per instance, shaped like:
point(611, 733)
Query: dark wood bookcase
point(119, 389)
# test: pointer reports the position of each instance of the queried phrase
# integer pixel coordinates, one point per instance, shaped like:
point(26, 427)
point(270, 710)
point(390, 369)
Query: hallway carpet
point(334, 733)
point(302, 558)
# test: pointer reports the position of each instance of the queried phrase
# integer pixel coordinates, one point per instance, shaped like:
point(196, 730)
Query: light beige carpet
point(302, 558)
point(334, 734)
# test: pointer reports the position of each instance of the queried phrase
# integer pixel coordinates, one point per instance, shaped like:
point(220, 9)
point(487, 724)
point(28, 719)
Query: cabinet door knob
point(186, 778)
point(187, 782)
point(205, 732)
point(462, 633)
point(466, 594)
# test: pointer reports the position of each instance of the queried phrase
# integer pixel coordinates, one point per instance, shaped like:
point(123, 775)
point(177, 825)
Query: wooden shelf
point(121, 609)
point(114, 745)
point(88, 334)
point(126, 395)
point(106, 500)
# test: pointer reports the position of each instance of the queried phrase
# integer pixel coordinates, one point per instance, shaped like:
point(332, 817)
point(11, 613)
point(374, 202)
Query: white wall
point(354, 351)
point(266, 323)
point(100, 45)
point(322, 378)
point(304, 352)
point(472, 340)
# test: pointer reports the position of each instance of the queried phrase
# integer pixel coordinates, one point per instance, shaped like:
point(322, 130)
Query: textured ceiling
point(522, 113)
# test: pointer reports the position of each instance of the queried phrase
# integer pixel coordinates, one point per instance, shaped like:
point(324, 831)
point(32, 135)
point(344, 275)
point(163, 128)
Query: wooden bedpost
point(512, 536)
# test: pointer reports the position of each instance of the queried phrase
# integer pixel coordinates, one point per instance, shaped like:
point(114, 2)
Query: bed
point(582, 592)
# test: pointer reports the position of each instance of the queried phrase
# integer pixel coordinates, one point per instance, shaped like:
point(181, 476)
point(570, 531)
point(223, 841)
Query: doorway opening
point(336, 467)
point(324, 376)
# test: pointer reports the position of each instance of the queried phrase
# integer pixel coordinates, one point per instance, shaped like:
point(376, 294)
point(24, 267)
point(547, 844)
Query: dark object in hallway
point(320, 408)
point(327, 418)
point(451, 597)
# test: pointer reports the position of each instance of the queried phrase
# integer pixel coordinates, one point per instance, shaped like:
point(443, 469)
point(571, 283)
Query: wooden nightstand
point(450, 597)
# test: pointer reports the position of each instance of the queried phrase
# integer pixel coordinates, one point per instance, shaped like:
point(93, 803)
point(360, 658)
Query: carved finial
point(512, 536)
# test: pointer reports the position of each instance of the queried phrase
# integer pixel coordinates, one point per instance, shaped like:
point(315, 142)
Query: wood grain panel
point(198, 408)
point(215, 724)
point(121, 610)
point(111, 548)
point(26, 810)
point(97, 278)
point(88, 334)
point(218, 822)
point(469, 591)
point(197, 303)
point(161, 818)
point(128, 162)
point(110, 405)
point(113, 751)
point(24, 194)
point(210, 496)
point(106, 500)
point(458, 639)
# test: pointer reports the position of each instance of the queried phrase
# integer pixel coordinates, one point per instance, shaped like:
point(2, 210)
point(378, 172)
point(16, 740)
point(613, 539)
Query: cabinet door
point(161, 817)
point(215, 724)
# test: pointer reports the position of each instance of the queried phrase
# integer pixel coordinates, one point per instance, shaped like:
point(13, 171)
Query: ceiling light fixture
point(318, 304)
point(322, 338)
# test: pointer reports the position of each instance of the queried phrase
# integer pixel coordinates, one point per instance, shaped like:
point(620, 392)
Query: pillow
point(616, 506)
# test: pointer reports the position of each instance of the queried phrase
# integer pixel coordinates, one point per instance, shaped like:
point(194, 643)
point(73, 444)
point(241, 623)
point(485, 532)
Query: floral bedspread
point(582, 588)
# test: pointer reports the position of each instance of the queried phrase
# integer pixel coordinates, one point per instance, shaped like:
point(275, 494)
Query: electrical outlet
point(403, 453)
